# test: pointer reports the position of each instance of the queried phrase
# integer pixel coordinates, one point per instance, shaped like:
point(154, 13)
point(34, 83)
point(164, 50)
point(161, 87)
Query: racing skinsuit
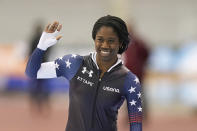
point(93, 101)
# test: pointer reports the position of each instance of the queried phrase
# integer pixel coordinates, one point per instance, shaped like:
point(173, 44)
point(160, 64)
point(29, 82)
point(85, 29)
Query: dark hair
point(119, 27)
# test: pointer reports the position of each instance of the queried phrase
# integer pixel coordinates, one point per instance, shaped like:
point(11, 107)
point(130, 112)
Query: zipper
point(94, 104)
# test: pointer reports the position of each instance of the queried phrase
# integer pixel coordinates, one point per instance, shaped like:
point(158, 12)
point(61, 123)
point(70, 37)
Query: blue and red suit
point(93, 101)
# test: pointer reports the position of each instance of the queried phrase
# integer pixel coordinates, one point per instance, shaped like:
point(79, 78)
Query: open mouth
point(105, 52)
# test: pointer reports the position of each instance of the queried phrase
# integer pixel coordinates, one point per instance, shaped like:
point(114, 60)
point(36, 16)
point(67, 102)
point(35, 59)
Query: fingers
point(47, 28)
point(58, 37)
point(59, 27)
point(53, 27)
point(50, 28)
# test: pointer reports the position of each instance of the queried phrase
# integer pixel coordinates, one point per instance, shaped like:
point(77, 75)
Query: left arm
point(133, 97)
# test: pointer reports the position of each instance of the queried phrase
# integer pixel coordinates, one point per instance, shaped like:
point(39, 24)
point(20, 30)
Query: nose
point(105, 44)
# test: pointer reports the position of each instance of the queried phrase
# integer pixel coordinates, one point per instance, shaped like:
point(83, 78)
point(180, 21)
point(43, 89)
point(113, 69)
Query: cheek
point(116, 47)
point(96, 45)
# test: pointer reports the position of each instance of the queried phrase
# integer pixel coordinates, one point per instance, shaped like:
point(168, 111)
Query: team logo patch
point(85, 81)
point(86, 71)
point(106, 88)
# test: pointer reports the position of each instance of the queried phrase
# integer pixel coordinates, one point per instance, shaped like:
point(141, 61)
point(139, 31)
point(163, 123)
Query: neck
point(105, 65)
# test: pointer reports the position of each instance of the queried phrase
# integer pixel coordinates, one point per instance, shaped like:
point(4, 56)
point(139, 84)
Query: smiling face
point(107, 44)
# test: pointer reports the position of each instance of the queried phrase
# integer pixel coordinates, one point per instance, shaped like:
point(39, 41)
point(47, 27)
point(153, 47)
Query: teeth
point(105, 52)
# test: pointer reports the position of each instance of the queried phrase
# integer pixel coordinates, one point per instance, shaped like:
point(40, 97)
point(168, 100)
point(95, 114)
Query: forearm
point(133, 97)
point(34, 63)
point(136, 127)
point(34, 67)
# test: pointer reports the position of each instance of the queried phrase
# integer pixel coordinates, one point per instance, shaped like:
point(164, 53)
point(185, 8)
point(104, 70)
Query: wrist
point(41, 47)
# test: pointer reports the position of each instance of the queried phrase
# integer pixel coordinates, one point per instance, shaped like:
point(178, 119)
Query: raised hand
point(50, 36)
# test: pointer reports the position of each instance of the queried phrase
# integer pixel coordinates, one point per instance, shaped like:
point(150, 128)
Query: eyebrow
point(99, 36)
point(108, 38)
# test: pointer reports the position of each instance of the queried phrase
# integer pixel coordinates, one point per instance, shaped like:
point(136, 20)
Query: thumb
point(58, 37)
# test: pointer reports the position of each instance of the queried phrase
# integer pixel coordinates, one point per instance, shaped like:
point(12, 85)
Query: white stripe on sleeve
point(47, 70)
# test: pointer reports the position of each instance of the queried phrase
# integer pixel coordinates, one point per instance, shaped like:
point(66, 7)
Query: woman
point(99, 82)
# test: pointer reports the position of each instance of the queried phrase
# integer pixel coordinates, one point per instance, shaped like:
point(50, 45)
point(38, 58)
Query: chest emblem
point(106, 88)
point(84, 81)
point(86, 71)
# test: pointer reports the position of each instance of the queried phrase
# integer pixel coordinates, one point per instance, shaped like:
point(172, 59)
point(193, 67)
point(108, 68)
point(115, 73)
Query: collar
point(93, 56)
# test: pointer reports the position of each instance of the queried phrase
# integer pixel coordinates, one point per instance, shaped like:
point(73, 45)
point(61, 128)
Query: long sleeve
point(133, 97)
point(34, 63)
point(66, 66)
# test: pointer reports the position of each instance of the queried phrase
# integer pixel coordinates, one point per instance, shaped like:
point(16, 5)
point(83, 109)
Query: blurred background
point(166, 28)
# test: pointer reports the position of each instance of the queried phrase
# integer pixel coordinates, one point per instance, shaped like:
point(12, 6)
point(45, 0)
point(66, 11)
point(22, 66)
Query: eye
point(110, 41)
point(100, 40)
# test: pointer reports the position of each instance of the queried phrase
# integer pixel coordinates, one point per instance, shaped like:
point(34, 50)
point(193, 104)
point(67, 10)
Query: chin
point(104, 58)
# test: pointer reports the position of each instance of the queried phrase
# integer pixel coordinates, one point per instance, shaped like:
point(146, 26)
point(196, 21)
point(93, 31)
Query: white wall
point(159, 21)
point(166, 21)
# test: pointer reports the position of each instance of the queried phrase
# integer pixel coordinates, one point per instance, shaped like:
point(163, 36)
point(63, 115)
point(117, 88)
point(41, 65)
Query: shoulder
point(68, 61)
point(68, 65)
point(88, 57)
point(129, 75)
point(131, 82)
point(89, 60)
point(70, 58)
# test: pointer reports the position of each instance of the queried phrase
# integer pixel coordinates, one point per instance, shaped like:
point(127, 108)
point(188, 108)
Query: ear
point(120, 46)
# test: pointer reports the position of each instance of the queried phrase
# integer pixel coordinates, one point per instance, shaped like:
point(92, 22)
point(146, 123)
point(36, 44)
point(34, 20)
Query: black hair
point(119, 27)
